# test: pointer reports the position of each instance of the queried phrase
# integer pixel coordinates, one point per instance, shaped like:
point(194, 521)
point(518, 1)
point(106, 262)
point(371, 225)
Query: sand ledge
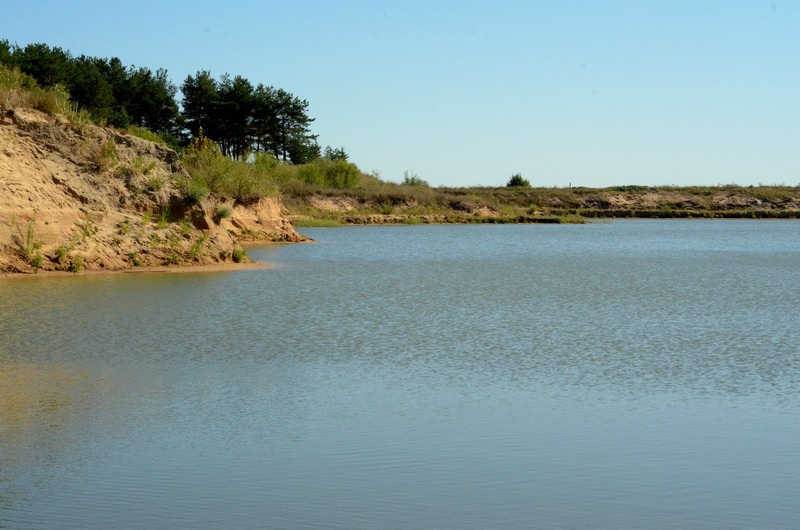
point(166, 269)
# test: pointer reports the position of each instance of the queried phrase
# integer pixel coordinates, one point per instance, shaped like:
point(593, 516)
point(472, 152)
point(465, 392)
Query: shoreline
point(165, 269)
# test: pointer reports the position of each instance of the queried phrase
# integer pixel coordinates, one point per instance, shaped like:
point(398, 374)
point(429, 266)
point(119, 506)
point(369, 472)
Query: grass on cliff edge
point(260, 176)
point(19, 90)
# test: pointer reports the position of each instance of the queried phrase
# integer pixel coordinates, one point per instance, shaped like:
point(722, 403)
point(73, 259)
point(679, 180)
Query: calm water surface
point(636, 374)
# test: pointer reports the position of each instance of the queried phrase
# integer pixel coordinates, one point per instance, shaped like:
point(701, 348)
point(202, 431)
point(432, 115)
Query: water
point(636, 374)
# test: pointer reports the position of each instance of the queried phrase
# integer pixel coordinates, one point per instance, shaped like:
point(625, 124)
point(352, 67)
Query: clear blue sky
point(591, 93)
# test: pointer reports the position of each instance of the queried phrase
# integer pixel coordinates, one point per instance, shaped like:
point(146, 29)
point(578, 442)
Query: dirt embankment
point(91, 198)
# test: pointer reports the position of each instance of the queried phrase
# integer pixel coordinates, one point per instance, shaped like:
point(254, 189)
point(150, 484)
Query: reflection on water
point(626, 374)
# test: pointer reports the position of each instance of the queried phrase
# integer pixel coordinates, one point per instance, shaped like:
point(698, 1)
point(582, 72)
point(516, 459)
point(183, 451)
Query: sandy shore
point(175, 269)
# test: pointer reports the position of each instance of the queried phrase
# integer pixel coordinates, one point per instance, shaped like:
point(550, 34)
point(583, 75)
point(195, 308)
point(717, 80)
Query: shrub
point(516, 181)
point(330, 173)
point(30, 246)
point(194, 189)
point(18, 89)
point(61, 254)
point(240, 255)
point(106, 155)
point(155, 183)
point(77, 264)
point(134, 258)
point(228, 178)
point(224, 212)
point(411, 179)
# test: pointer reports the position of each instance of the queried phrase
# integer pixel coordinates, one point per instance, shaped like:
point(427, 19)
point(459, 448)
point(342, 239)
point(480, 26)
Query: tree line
point(239, 117)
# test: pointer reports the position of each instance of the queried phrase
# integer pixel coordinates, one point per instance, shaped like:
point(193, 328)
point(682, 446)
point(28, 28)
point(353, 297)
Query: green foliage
point(310, 222)
point(239, 255)
point(185, 227)
point(106, 156)
point(19, 90)
point(411, 179)
point(134, 259)
point(146, 134)
point(111, 92)
point(163, 218)
point(226, 178)
point(196, 248)
point(224, 212)
point(87, 229)
point(330, 173)
point(335, 153)
point(142, 166)
point(155, 183)
point(77, 263)
point(32, 246)
point(61, 254)
point(240, 117)
point(14, 78)
point(194, 189)
point(517, 181)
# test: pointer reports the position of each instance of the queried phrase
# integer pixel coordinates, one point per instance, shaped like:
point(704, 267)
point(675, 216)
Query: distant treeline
point(239, 117)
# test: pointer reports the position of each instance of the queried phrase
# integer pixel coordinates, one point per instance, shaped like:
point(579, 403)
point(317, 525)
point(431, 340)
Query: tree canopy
point(240, 117)
point(518, 181)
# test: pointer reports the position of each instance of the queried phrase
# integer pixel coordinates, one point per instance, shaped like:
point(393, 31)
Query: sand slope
point(93, 198)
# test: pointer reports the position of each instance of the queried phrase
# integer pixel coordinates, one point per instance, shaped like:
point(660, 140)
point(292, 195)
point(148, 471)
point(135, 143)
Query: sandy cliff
point(90, 198)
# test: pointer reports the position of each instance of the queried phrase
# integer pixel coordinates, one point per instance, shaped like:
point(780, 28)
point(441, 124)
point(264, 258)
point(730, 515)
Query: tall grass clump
point(32, 247)
point(19, 90)
point(106, 155)
point(412, 179)
point(223, 176)
point(145, 134)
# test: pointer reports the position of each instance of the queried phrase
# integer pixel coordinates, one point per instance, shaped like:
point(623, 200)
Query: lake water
point(630, 374)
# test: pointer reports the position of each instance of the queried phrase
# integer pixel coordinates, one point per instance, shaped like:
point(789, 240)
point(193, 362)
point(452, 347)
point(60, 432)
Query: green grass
point(162, 220)
point(145, 134)
point(19, 90)
point(134, 259)
point(310, 222)
point(77, 264)
point(155, 183)
point(261, 176)
point(224, 212)
point(564, 205)
point(239, 255)
point(29, 244)
point(106, 155)
point(197, 246)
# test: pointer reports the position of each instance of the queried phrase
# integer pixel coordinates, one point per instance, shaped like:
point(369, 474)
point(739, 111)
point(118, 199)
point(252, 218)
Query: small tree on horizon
point(516, 180)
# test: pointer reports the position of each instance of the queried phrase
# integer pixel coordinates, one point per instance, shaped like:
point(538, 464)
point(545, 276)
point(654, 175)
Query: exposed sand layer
point(90, 198)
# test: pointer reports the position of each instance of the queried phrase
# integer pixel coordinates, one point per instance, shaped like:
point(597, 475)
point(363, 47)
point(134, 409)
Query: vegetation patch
point(310, 222)
point(239, 255)
point(224, 212)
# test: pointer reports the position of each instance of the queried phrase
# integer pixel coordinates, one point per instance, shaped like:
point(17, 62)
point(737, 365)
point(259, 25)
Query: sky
point(465, 93)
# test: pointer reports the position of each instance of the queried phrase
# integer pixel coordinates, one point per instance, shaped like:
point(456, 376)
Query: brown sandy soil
point(92, 198)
